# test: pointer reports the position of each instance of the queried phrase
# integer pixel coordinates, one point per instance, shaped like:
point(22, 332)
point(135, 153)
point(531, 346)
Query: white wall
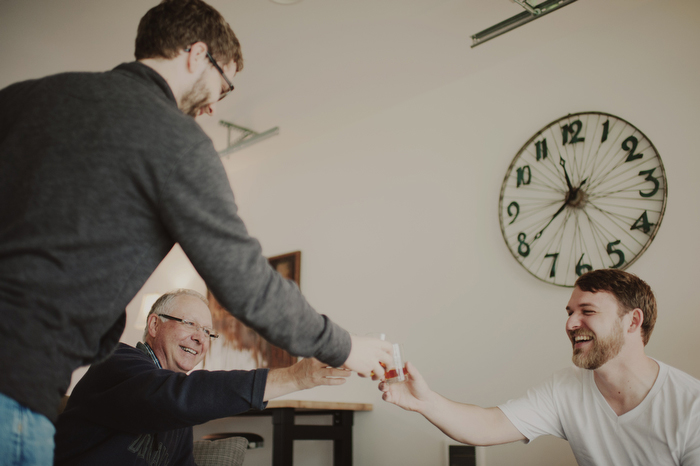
point(396, 217)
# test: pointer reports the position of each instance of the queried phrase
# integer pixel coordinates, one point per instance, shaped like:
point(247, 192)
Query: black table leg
point(285, 432)
point(283, 437)
point(342, 445)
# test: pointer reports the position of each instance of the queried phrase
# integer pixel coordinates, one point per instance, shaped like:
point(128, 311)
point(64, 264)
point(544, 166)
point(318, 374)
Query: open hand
point(311, 372)
point(307, 373)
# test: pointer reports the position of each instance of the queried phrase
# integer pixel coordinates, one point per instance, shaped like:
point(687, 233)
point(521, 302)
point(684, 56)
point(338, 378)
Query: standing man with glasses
point(100, 175)
point(139, 406)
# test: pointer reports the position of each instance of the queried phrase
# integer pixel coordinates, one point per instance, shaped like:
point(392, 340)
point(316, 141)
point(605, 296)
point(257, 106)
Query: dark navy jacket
point(126, 411)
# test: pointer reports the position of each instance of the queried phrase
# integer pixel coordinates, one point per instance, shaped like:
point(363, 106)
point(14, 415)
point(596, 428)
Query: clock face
point(586, 192)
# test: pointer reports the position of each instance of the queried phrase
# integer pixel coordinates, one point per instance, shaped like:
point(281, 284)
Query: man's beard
point(195, 99)
point(602, 349)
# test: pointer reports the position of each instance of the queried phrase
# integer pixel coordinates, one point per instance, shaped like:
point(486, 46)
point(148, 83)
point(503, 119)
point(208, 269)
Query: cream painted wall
point(397, 220)
point(396, 217)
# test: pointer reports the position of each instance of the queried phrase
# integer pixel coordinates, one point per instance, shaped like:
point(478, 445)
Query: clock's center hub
point(577, 198)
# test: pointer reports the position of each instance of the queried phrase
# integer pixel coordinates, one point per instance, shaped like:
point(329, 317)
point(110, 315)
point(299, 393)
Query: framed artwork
point(288, 265)
point(239, 347)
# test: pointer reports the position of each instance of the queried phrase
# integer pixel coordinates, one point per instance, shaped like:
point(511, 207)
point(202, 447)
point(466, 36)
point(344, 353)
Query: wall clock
point(587, 191)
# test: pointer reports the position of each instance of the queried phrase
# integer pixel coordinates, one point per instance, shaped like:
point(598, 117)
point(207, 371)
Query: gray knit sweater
point(100, 175)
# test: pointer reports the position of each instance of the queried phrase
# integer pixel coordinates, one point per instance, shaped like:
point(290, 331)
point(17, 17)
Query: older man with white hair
point(139, 406)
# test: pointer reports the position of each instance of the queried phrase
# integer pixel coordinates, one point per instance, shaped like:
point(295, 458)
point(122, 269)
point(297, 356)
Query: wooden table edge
point(323, 405)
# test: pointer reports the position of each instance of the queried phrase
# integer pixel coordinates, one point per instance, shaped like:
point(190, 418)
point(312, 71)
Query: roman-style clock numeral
point(553, 270)
point(620, 255)
point(573, 128)
point(606, 130)
point(517, 211)
point(652, 179)
point(582, 267)
point(630, 144)
point(642, 223)
point(522, 171)
point(541, 147)
point(588, 191)
point(523, 247)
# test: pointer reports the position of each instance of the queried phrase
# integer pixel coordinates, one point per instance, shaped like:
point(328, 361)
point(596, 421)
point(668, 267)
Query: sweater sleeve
point(198, 208)
point(129, 393)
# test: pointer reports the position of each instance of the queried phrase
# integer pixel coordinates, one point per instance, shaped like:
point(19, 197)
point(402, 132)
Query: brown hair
point(173, 25)
point(630, 291)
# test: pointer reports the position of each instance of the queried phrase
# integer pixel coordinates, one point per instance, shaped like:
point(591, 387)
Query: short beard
point(602, 351)
point(195, 99)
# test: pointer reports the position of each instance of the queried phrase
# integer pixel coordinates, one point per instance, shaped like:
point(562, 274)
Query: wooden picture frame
point(241, 347)
point(288, 265)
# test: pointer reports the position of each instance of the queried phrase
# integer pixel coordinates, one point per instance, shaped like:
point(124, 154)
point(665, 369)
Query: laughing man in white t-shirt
point(618, 407)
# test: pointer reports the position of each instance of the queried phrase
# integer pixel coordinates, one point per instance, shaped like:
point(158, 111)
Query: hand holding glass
point(396, 372)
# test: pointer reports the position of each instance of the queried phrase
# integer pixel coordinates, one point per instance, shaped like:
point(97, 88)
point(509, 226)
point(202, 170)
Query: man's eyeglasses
point(221, 72)
point(191, 326)
point(218, 68)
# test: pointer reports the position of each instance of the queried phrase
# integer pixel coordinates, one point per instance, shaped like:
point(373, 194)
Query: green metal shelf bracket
point(240, 137)
point(532, 13)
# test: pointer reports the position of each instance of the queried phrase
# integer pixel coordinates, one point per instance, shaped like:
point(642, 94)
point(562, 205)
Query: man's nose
point(573, 322)
point(208, 110)
point(199, 335)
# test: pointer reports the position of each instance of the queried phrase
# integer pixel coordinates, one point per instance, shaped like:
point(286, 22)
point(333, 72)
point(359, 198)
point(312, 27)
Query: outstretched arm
point(463, 422)
point(307, 373)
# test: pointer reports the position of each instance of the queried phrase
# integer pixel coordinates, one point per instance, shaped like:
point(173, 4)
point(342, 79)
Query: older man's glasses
point(192, 327)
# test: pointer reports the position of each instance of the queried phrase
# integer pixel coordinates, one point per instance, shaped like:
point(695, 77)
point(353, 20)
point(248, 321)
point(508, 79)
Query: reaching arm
point(307, 373)
point(463, 422)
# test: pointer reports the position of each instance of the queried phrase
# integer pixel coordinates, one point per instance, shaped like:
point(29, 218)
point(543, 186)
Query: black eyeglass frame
point(192, 326)
point(221, 72)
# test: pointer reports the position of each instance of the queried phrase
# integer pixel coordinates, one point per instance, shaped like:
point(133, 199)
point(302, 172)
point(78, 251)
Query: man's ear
point(153, 321)
point(197, 56)
point(636, 321)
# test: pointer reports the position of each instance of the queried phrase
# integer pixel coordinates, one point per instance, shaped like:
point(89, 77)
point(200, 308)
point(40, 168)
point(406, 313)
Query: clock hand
point(562, 162)
point(550, 221)
point(572, 198)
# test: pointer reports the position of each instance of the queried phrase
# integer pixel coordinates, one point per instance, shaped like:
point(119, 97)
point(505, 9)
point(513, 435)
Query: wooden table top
point(319, 405)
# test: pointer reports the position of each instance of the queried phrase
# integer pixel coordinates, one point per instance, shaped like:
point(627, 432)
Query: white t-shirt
point(663, 430)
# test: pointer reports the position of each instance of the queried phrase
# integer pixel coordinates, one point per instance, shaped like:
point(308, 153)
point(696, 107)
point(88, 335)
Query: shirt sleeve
point(535, 414)
point(128, 393)
point(198, 209)
point(691, 454)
